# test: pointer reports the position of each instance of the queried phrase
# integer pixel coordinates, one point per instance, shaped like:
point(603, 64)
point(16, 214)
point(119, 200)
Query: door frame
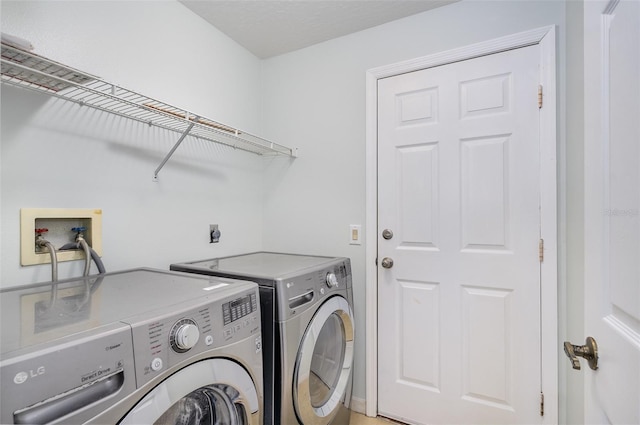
point(545, 37)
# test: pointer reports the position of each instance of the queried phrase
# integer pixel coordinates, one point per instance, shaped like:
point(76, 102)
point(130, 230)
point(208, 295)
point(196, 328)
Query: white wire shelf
point(27, 70)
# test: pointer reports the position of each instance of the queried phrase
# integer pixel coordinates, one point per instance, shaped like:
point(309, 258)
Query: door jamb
point(545, 37)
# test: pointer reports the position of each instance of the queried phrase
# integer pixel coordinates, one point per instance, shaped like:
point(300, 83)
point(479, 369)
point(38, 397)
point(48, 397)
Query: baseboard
point(358, 405)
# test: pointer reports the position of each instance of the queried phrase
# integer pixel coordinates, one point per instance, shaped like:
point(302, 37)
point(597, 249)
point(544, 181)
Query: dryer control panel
point(304, 291)
point(166, 342)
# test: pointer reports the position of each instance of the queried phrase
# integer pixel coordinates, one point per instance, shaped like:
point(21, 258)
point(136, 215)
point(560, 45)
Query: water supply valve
point(79, 230)
point(40, 242)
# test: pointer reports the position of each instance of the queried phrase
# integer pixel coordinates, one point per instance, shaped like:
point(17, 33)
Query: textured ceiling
point(273, 27)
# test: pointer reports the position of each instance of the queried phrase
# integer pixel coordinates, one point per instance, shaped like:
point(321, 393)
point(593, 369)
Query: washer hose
point(54, 261)
point(98, 261)
point(94, 255)
point(54, 257)
point(87, 255)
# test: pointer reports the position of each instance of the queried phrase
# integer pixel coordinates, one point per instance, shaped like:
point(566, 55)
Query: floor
point(358, 419)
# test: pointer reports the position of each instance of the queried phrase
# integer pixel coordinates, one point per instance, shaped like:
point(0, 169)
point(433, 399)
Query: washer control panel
point(183, 334)
point(239, 308)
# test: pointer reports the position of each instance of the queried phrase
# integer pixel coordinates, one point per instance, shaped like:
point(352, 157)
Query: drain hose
point(91, 256)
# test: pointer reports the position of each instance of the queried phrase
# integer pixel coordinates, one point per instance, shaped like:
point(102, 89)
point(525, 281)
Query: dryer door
point(323, 365)
point(214, 391)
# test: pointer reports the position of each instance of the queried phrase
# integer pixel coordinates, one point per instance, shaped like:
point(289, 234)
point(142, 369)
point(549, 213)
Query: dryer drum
point(328, 356)
point(324, 362)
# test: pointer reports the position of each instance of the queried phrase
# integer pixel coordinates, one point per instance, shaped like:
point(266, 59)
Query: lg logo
point(21, 377)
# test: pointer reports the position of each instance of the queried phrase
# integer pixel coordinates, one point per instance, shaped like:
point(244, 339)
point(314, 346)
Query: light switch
point(354, 234)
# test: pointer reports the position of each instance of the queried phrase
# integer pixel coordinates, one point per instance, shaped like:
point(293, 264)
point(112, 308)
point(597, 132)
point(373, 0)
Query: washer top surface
point(266, 265)
point(40, 313)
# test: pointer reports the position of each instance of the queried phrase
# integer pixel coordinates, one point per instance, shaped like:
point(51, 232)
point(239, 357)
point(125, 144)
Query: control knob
point(332, 280)
point(184, 335)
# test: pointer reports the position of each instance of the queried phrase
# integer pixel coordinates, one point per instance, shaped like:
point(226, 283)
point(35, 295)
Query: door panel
point(417, 337)
point(486, 312)
point(418, 195)
point(612, 205)
point(484, 190)
point(459, 311)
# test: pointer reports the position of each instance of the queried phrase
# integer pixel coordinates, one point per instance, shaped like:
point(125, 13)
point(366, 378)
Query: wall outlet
point(355, 234)
point(214, 233)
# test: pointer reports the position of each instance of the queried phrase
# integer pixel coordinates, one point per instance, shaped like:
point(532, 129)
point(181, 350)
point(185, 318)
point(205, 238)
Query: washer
point(132, 347)
point(308, 331)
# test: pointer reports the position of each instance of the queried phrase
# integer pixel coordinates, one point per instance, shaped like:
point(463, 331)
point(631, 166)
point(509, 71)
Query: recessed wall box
point(58, 222)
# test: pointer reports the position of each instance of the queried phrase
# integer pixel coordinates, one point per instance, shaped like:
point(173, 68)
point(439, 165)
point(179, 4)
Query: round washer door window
point(216, 404)
point(323, 365)
point(201, 394)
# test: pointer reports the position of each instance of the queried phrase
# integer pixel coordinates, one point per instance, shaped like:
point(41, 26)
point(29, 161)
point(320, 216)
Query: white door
point(459, 189)
point(612, 210)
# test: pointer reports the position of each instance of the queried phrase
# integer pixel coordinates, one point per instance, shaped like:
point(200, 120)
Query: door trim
point(546, 38)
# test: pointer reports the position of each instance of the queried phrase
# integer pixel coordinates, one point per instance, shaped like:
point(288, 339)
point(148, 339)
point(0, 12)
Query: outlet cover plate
point(213, 236)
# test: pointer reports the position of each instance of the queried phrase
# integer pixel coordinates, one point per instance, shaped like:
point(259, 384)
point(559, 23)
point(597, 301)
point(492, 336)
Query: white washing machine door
point(324, 362)
point(214, 391)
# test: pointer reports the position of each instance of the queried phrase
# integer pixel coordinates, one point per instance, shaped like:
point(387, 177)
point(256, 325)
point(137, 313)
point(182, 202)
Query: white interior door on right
point(612, 210)
point(458, 242)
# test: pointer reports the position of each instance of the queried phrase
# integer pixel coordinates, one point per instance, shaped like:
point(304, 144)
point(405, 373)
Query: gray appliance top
point(40, 313)
point(265, 265)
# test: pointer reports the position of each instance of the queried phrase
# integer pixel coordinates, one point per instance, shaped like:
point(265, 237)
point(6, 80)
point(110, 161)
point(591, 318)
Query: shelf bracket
point(173, 149)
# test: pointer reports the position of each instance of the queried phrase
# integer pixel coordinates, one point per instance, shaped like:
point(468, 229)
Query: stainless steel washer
point(133, 347)
point(308, 331)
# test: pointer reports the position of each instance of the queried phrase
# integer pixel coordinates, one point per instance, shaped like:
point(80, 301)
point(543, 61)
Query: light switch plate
point(355, 234)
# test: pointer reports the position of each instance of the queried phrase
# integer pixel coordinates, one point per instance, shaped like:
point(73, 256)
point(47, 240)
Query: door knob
point(387, 262)
point(589, 351)
point(387, 234)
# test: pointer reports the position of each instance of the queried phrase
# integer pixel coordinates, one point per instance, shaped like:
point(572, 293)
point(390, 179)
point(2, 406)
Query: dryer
point(132, 347)
point(308, 331)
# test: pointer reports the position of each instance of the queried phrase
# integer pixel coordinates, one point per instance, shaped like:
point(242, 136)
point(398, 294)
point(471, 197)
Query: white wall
point(315, 99)
point(59, 155)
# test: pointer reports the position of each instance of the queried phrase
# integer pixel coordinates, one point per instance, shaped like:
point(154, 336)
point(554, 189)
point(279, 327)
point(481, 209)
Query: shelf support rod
point(173, 149)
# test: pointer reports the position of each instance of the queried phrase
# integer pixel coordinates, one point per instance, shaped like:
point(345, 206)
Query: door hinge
point(539, 96)
point(541, 250)
point(541, 404)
